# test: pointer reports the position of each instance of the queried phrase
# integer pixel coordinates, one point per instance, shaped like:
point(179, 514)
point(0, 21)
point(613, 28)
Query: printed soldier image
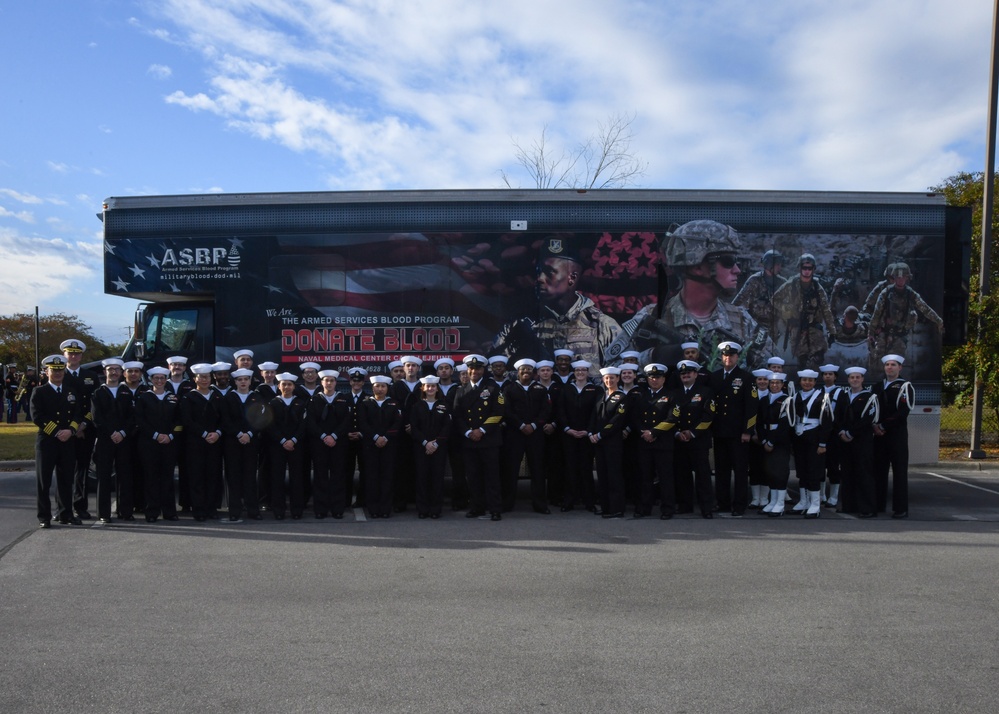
point(566, 318)
point(757, 293)
point(896, 311)
point(703, 255)
point(801, 309)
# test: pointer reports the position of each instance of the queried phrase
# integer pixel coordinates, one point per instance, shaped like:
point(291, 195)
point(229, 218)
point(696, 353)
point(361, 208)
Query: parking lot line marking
point(963, 483)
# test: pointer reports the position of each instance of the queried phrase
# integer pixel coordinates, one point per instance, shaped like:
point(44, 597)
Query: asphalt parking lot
point(560, 613)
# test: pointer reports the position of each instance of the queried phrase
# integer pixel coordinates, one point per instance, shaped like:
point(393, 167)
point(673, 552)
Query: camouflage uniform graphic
point(757, 295)
point(658, 337)
point(802, 308)
point(584, 329)
point(895, 314)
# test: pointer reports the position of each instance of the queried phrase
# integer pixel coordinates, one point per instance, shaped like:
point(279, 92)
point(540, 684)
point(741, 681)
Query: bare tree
point(604, 160)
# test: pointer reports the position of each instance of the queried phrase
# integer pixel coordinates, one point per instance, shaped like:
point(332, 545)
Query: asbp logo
point(200, 258)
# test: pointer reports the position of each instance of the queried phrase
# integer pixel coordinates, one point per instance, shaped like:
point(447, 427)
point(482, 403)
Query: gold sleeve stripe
point(74, 425)
point(494, 420)
point(50, 428)
point(664, 426)
point(704, 425)
point(752, 422)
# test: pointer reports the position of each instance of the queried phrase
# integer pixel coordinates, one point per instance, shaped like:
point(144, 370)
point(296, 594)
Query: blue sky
point(120, 97)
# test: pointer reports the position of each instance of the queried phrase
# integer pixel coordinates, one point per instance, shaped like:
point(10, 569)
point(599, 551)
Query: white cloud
point(159, 71)
point(863, 95)
point(58, 167)
point(48, 269)
point(21, 197)
point(26, 216)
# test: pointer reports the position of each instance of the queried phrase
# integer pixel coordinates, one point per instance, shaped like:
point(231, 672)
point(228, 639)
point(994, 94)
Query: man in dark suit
point(55, 410)
point(693, 413)
point(736, 404)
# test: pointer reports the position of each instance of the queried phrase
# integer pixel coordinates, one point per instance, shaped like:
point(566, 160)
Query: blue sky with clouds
point(123, 97)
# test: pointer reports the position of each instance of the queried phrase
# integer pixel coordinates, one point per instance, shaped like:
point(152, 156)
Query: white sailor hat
point(808, 373)
point(328, 373)
point(221, 367)
point(631, 354)
point(544, 363)
point(855, 370)
point(897, 358)
point(829, 368)
point(604, 371)
point(775, 360)
point(689, 346)
point(761, 372)
point(777, 377)
point(525, 363)
point(309, 365)
point(443, 360)
point(412, 359)
point(268, 366)
point(430, 379)
point(287, 377)
point(628, 365)
point(393, 364)
point(112, 362)
point(242, 372)
point(201, 368)
point(461, 367)
point(498, 358)
point(133, 365)
point(242, 353)
point(73, 345)
point(563, 353)
point(161, 371)
point(581, 363)
point(381, 379)
point(176, 359)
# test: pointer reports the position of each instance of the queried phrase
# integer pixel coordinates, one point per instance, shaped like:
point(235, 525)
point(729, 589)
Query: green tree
point(17, 338)
point(968, 189)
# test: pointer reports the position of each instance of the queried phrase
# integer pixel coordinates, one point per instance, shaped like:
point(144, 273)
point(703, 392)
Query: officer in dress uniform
point(56, 411)
point(84, 382)
point(607, 424)
point(479, 407)
point(896, 398)
point(651, 412)
point(736, 405)
point(693, 413)
point(856, 437)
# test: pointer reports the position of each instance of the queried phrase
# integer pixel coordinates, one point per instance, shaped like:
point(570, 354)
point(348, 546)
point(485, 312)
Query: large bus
point(362, 278)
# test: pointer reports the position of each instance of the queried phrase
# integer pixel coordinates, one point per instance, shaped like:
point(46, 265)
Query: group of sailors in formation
point(275, 441)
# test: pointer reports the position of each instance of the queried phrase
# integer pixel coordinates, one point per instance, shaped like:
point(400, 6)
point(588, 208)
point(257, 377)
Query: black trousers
point(83, 447)
point(429, 479)
point(290, 462)
point(692, 457)
point(892, 451)
point(517, 445)
point(809, 464)
point(241, 475)
point(204, 472)
point(578, 484)
point(731, 461)
point(380, 476)
point(52, 455)
point(482, 470)
point(656, 463)
point(328, 483)
point(859, 494)
point(114, 466)
point(609, 455)
point(159, 462)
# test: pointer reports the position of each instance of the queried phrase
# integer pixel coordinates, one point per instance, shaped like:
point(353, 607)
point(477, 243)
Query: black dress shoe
point(435, 516)
point(320, 516)
point(201, 519)
point(665, 516)
point(151, 519)
point(738, 514)
point(44, 524)
point(900, 514)
point(495, 516)
point(422, 516)
point(174, 517)
point(337, 516)
point(565, 509)
point(256, 516)
point(128, 518)
point(84, 515)
point(105, 521)
point(474, 513)
point(616, 514)
point(543, 511)
point(708, 515)
point(866, 515)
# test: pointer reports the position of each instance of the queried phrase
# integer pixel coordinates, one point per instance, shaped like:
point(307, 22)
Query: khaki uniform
point(895, 314)
point(658, 337)
point(584, 329)
point(801, 309)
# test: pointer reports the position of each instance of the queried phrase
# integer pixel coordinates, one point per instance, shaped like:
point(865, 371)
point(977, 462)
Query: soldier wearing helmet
point(872, 297)
point(702, 254)
point(801, 310)
point(757, 293)
point(896, 311)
